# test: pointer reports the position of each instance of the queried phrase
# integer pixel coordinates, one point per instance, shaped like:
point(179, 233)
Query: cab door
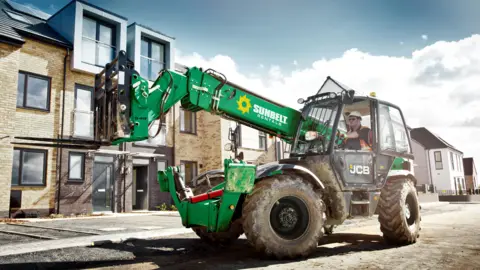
point(394, 148)
point(357, 167)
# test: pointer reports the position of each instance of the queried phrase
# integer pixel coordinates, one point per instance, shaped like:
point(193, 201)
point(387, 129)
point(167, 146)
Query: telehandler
point(283, 207)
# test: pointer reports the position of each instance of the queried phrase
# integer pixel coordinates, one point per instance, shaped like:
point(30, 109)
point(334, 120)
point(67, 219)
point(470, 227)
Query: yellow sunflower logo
point(244, 104)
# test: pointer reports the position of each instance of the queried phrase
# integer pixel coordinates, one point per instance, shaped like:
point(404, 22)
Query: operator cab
point(361, 134)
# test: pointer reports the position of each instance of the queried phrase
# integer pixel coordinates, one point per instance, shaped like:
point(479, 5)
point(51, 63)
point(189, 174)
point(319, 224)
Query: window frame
point(98, 23)
point(82, 167)
point(75, 110)
point(25, 88)
point(195, 166)
point(193, 123)
point(150, 41)
point(20, 166)
point(262, 137)
point(438, 161)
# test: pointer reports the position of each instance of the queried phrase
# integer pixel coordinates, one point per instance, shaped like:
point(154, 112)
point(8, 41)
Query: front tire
point(399, 212)
point(283, 217)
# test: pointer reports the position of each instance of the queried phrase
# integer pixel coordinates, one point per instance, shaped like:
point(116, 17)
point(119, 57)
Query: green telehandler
point(283, 207)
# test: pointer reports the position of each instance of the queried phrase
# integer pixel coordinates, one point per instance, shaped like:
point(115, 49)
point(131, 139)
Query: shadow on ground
point(185, 253)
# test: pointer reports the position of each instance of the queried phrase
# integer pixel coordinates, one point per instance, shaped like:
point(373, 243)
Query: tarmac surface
point(450, 239)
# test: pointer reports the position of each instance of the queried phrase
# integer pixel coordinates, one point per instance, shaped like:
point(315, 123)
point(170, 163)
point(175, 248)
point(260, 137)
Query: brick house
point(471, 177)
point(50, 58)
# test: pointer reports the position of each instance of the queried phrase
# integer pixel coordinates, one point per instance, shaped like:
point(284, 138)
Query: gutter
point(59, 171)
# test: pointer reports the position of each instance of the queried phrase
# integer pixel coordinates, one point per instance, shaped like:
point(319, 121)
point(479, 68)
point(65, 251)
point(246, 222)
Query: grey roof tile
point(14, 29)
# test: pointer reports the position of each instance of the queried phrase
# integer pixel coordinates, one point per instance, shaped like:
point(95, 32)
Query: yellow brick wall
point(48, 60)
point(8, 91)
point(204, 147)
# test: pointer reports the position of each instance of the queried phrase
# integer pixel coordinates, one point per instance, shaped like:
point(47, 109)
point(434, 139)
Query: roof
point(151, 29)
point(14, 31)
point(430, 140)
point(91, 5)
point(468, 165)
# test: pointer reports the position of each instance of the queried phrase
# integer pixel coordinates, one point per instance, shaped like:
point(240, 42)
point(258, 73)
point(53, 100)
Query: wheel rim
point(289, 217)
point(411, 212)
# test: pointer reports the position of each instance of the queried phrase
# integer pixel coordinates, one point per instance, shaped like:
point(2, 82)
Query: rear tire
point(220, 238)
point(283, 217)
point(399, 212)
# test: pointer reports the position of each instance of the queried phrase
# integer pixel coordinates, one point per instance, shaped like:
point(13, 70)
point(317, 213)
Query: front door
point(140, 187)
point(102, 187)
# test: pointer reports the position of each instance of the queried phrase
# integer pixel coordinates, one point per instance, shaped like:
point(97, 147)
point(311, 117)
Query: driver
point(358, 137)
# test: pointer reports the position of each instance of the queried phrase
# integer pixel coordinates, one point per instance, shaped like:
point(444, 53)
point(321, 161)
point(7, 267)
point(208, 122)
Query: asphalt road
point(450, 239)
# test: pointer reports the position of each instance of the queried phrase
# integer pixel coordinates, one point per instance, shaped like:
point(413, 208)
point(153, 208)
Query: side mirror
point(348, 96)
point(228, 147)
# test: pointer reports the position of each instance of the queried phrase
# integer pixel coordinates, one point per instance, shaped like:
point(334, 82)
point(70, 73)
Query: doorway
point(140, 188)
point(102, 190)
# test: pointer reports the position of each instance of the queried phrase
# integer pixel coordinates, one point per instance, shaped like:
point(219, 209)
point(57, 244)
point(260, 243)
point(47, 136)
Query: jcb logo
point(359, 169)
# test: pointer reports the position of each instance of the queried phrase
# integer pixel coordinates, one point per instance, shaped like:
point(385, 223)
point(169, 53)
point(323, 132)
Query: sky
point(422, 55)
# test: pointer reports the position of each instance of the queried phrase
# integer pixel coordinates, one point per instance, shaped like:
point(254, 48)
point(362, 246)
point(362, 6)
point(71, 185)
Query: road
point(450, 239)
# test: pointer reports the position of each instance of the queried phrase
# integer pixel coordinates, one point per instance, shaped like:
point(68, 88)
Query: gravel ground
point(450, 239)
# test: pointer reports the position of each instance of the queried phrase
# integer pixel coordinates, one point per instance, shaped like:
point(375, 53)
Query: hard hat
point(355, 113)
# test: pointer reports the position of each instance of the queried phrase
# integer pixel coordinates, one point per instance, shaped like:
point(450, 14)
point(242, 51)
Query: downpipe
point(59, 172)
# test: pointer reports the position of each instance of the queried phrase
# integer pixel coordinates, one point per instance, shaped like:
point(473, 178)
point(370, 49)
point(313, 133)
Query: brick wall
point(47, 60)
point(204, 147)
point(75, 197)
point(8, 84)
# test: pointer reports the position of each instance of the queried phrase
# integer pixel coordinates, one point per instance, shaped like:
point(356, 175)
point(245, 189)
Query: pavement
point(101, 230)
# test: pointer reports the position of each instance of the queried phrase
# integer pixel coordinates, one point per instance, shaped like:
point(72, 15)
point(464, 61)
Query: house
point(421, 164)
point(471, 178)
point(444, 162)
point(48, 59)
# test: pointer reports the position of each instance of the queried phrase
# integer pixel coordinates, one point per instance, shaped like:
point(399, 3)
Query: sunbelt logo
point(244, 106)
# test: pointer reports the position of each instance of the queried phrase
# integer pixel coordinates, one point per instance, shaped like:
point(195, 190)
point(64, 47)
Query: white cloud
point(401, 43)
point(437, 87)
point(424, 37)
point(295, 63)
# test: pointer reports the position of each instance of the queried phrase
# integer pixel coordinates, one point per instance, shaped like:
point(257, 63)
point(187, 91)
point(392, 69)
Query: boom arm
point(136, 105)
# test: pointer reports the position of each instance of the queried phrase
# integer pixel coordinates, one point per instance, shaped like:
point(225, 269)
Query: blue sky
point(278, 32)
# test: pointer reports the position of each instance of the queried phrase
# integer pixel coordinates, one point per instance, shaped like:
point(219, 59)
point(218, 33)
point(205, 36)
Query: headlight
point(311, 135)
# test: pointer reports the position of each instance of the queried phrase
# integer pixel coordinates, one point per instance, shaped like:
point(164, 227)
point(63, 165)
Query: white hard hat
point(355, 113)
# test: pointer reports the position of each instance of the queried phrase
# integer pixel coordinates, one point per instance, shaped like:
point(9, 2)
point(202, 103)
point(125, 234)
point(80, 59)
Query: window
point(29, 167)
point(152, 58)
point(189, 171)
point(438, 160)
point(17, 17)
point(188, 121)
point(33, 91)
point(83, 113)
point(98, 42)
point(393, 133)
point(160, 139)
point(76, 166)
point(262, 140)
point(452, 161)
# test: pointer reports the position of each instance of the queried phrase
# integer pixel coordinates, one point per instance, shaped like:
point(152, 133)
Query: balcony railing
point(82, 124)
